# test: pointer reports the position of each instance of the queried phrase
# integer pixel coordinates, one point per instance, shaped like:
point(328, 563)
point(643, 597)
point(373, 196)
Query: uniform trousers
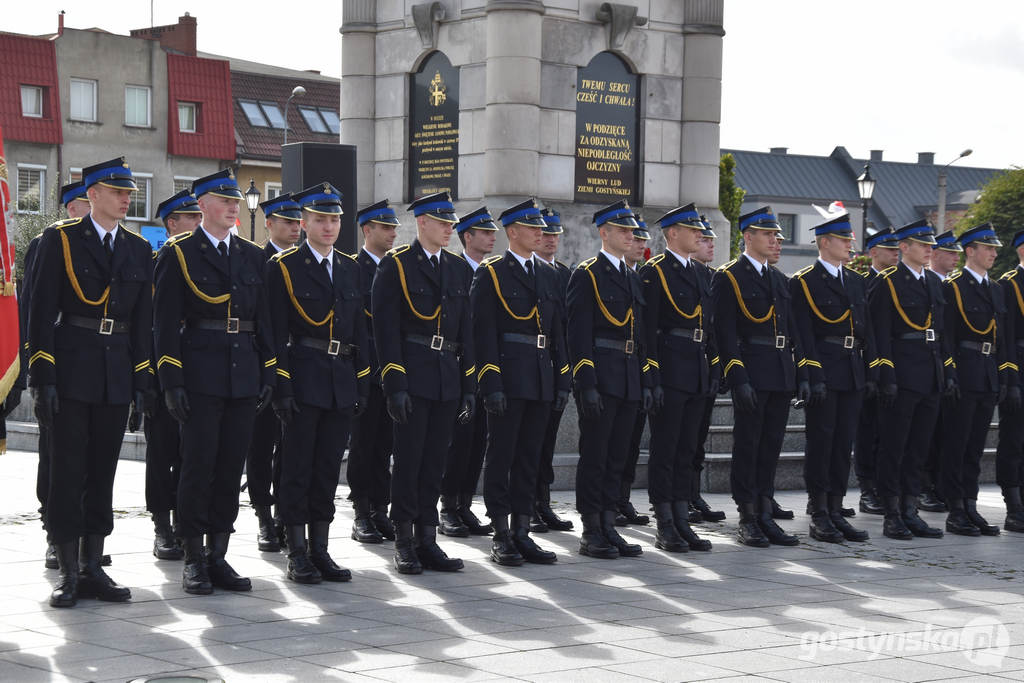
point(314, 442)
point(163, 460)
point(604, 446)
point(670, 467)
point(632, 456)
point(43, 469)
point(865, 445)
point(963, 441)
point(931, 467)
point(1010, 450)
point(369, 451)
point(830, 430)
point(465, 456)
point(546, 467)
point(513, 454)
point(904, 432)
point(214, 441)
point(756, 445)
point(86, 444)
point(262, 460)
point(419, 447)
point(700, 453)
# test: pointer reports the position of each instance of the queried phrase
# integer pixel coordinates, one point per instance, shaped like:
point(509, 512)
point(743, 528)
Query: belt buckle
point(780, 341)
point(333, 347)
point(542, 341)
point(848, 341)
point(929, 335)
point(629, 346)
point(986, 348)
point(106, 326)
point(232, 326)
point(698, 335)
point(437, 342)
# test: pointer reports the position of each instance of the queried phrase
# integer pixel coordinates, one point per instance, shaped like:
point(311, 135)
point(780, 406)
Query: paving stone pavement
point(883, 610)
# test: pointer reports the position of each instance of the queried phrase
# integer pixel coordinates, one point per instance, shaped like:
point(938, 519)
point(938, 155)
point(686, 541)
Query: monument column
point(358, 89)
point(512, 119)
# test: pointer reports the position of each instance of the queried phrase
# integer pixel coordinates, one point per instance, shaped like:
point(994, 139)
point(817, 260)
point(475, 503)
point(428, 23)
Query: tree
point(1000, 203)
point(28, 225)
point(730, 198)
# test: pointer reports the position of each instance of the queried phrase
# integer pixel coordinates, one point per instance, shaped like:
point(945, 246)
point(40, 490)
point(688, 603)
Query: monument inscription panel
point(434, 128)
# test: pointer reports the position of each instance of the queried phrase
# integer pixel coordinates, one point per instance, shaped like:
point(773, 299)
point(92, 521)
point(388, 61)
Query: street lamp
point(252, 200)
point(297, 91)
point(941, 222)
point(865, 188)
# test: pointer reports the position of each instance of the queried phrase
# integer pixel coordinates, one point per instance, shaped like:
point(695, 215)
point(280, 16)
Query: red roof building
point(205, 84)
point(29, 96)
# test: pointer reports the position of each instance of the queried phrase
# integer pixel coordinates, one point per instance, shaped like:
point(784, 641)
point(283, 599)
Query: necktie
point(529, 269)
point(223, 249)
point(433, 262)
point(764, 272)
point(622, 268)
point(327, 269)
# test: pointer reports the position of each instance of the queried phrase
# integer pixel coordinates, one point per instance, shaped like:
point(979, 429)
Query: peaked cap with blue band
point(73, 191)
point(179, 202)
point(438, 205)
point(552, 222)
point(707, 231)
point(918, 231)
point(981, 234)
point(282, 206)
point(685, 216)
point(320, 198)
point(640, 232)
point(219, 184)
point(885, 239)
point(525, 213)
point(1018, 239)
point(477, 220)
point(381, 212)
point(836, 227)
point(114, 173)
point(947, 242)
point(618, 214)
point(760, 219)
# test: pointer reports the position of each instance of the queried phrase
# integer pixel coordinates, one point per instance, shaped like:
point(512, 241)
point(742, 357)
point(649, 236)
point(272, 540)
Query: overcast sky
point(905, 77)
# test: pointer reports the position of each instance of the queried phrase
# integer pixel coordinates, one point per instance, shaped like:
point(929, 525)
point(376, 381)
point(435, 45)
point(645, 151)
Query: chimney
point(926, 158)
point(60, 23)
point(876, 154)
point(779, 150)
point(180, 37)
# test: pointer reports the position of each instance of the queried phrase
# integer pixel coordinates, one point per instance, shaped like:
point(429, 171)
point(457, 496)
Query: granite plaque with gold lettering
point(434, 128)
point(607, 132)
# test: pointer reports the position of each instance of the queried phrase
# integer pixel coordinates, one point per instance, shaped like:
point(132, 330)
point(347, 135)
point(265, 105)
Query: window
point(313, 120)
point(273, 114)
point(31, 182)
point(331, 118)
point(182, 183)
point(32, 101)
point(263, 114)
point(74, 175)
point(187, 117)
point(273, 190)
point(253, 112)
point(83, 100)
point(139, 208)
point(788, 223)
point(136, 106)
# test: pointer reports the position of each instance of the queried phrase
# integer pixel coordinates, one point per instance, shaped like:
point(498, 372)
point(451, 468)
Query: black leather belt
point(624, 345)
point(539, 341)
point(437, 342)
point(229, 325)
point(779, 342)
point(928, 335)
point(986, 348)
point(848, 342)
point(332, 347)
point(694, 333)
point(99, 325)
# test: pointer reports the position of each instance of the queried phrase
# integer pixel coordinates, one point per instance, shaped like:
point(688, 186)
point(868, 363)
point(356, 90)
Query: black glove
point(887, 395)
point(561, 398)
point(714, 386)
point(495, 403)
point(1011, 403)
point(46, 403)
point(149, 403)
point(723, 388)
point(399, 406)
point(468, 408)
point(285, 408)
point(13, 401)
point(870, 389)
point(951, 390)
point(803, 391)
point(360, 407)
point(657, 399)
point(819, 392)
point(177, 403)
point(590, 403)
point(745, 398)
point(264, 399)
point(646, 400)
point(135, 412)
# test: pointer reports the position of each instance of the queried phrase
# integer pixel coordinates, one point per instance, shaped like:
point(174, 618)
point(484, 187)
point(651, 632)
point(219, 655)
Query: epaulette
point(351, 256)
point(655, 259)
point(855, 272)
point(954, 275)
point(450, 251)
point(245, 239)
point(178, 238)
point(887, 272)
point(135, 234)
point(281, 254)
point(803, 271)
point(65, 222)
point(585, 264)
point(727, 266)
point(491, 259)
point(1008, 274)
point(395, 251)
point(562, 264)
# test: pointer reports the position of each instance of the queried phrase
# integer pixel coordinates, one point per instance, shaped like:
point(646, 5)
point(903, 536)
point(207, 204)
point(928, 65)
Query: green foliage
point(1001, 203)
point(730, 198)
point(860, 263)
point(28, 225)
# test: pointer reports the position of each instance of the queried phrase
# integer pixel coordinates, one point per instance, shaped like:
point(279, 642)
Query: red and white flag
point(9, 335)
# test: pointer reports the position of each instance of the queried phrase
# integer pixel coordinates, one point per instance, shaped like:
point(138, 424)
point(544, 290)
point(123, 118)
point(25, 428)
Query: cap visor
point(625, 222)
point(443, 217)
point(531, 222)
point(551, 229)
point(119, 184)
point(923, 239)
point(290, 214)
point(956, 248)
point(226, 194)
point(384, 220)
point(327, 210)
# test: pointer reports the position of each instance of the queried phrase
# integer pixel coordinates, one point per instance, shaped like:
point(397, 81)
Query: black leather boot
point(451, 521)
point(749, 531)
point(957, 521)
point(50, 558)
point(195, 575)
point(430, 553)
point(667, 538)
point(869, 502)
point(93, 582)
point(1014, 509)
point(547, 515)
point(380, 519)
point(706, 513)
point(319, 535)
point(772, 531)
point(537, 523)
point(300, 568)
point(977, 520)
point(503, 550)
point(282, 534)
point(165, 546)
point(526, 546)
point(266, 540)
point(893, 526)
point(612, 534)
point(592, 542)
point(222, 575)
point(778, 513)
point(406, 561)
point(694, 516)
point(65, 592)
point(821, 527)
point(913, 521)
point(931, 501)
point(682, 524)
point(469, 519)
point(363, 528)
point(838, 514)
point(627, 514)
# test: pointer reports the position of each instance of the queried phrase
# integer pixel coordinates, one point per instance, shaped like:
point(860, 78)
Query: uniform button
point(234, 365)
point(235, 287)
point(107, 348)
point(235, 345)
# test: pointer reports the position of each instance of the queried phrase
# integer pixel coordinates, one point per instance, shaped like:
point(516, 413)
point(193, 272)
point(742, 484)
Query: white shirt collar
point(522, 261)
point(919, 274)
point(685, 260)
point(758, 266)
point(541, 258)
point(832, 270)
point(437, 253)
point(214, 241)
point(371, 255)
point(614, 259)
point(320, 258)
point(977, 276)
point(472, 264)
point(276, 248)
point(101, 231)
